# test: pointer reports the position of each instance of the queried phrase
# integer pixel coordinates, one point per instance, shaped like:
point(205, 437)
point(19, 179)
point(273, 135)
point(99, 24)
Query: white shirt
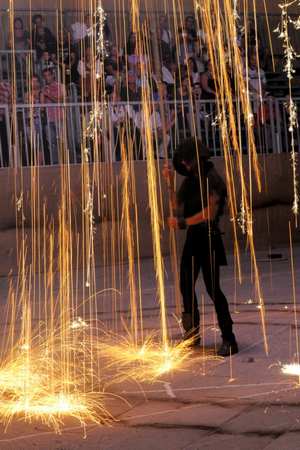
point(81, 68)
point(195, 77)
point(167, 77)
point(79, 31)
point(257, 78)
point(166, 37)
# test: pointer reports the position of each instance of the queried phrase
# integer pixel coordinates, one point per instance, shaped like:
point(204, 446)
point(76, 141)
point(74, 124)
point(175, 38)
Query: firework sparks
point(291, 369)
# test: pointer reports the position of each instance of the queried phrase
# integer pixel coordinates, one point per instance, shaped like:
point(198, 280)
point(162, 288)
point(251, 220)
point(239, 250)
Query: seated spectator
point(193, 71)
point(53, 92)
point(208, 84)
point(21, 38)
point(42, 37)
point(5, 99)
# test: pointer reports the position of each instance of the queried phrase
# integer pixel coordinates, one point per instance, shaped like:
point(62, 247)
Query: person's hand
point(168, 173)
point(173, 222)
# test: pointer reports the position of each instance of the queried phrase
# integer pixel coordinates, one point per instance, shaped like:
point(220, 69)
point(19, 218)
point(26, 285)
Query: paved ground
point(241, 404)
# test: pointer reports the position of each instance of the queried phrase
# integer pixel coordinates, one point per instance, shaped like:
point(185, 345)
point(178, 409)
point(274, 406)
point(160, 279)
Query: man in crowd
point(42, 38)
point(53, 92)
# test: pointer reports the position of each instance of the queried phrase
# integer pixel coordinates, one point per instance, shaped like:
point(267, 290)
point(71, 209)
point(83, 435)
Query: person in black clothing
point(199, 205)
point(42, 38)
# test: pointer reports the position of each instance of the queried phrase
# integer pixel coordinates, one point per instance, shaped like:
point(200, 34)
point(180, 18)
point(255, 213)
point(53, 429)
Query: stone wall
point(271, 207)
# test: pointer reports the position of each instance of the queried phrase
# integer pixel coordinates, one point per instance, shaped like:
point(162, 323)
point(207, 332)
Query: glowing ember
point(291, 369)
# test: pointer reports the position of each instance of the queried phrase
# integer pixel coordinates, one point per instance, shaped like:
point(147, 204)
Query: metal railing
point(17, 64)
point(51, 134)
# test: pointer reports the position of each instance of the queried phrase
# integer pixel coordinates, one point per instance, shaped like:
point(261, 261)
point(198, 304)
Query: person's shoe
point(192, 338)
point(228, 349)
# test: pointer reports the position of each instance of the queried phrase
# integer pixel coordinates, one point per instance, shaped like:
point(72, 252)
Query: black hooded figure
point(200, 203)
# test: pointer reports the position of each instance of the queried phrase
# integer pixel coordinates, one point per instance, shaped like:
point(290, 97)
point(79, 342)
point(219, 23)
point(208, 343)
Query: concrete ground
point(242, 403)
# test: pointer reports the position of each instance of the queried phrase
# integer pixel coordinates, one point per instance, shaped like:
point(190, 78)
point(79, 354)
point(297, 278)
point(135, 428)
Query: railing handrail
point(29, 50)
point(126, 103)
point(44, 11)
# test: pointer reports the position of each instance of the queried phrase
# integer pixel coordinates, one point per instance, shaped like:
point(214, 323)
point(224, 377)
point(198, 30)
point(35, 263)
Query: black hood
point(190, 151)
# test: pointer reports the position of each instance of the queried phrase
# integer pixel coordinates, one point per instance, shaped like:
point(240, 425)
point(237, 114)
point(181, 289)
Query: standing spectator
point(111, 75)
point(42, 37)
point(35, 122)
point(5, 99)
point(168, 71)
point(131, 92)
point(115, 57)
point(181, 49)
point(53, 92)
point(208, 84)
point(165, 38)
point(161, 135)
point(71, 66)
point(191, 34)
point(20, 39)
point(131, 51)
point(117, 113)
point(20, 43)
point(183, 108)
point(86, 67)
point(45, 62)
point(79, 30)
point(193, 71)
point(256, 76)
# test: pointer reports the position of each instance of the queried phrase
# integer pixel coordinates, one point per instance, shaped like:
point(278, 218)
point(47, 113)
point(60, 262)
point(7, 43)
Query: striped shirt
point(5, 97)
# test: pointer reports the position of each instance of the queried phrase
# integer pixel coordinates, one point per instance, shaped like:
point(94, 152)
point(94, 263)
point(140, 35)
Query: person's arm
point(168, 175)
point(207, 214)
point(58, 95)
point(41, 98)
point(204, 84)
point(171, 121)
point(81, 69)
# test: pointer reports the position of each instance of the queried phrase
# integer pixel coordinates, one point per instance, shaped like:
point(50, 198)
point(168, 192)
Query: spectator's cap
point(190, 150)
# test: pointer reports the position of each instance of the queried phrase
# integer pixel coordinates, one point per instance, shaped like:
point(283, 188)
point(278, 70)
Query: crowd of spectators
point(186, 75)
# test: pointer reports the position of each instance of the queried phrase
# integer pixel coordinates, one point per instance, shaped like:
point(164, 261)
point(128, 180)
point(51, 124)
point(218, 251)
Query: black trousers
point(4, 143)
point(191, 263)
